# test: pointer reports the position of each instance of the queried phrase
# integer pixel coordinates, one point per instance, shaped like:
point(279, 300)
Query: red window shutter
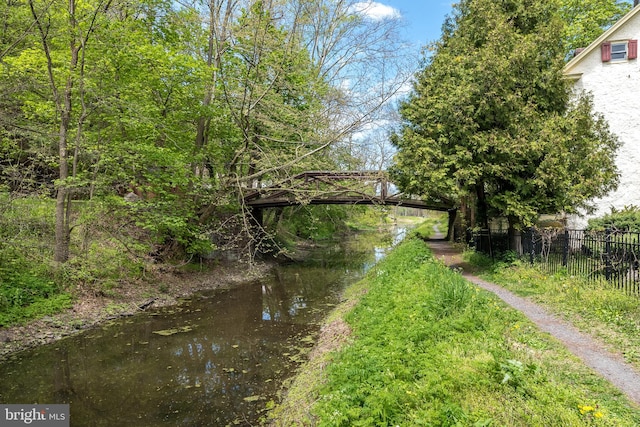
point(633, 49)
point(606, 52)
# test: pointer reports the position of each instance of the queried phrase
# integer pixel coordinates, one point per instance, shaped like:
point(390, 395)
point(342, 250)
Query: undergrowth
point(31, 286)
point(429, 348)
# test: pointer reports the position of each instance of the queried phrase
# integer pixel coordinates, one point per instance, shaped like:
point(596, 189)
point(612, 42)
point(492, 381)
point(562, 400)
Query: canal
point(215, 359)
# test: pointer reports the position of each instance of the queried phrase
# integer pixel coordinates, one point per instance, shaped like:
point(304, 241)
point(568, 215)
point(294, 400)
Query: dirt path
point(594, 354)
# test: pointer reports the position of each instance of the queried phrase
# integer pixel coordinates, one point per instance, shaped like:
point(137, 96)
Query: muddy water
point(216, 359)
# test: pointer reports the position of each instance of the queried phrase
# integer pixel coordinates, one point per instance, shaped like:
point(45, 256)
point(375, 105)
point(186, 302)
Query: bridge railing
point(335, 187)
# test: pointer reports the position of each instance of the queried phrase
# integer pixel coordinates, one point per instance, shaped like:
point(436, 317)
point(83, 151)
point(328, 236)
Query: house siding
point(615, 87)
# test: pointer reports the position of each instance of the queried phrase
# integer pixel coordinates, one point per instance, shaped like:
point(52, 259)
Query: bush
point(627, 219)
point(22, 289)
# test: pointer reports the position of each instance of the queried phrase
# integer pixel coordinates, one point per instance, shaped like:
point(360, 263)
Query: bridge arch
point(337, 188)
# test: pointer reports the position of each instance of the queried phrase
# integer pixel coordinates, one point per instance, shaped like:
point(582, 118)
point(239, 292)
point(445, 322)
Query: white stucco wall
point(615, 87)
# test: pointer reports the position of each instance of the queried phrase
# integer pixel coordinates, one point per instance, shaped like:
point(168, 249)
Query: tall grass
point(596, 307)
point(428, 348)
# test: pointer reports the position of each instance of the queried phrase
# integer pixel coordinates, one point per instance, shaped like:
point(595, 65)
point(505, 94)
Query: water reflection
point(213, 360)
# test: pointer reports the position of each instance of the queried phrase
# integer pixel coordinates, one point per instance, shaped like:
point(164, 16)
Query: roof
point(597, 42)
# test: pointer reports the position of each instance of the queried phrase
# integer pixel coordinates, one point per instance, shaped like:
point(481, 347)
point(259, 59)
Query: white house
point(609, 69)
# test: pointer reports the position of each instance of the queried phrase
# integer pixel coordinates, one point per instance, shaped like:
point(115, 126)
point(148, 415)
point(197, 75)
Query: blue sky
point(424, 18)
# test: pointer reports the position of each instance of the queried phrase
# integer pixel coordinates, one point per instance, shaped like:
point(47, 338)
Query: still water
point(215, 359)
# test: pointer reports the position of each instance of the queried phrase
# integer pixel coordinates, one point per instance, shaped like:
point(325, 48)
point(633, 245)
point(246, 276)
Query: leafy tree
point(274, 94)
point(185, 104)
point(143, 126)
point(121, 116)
point(64, 62)
point(490, 117)
point(586, 20)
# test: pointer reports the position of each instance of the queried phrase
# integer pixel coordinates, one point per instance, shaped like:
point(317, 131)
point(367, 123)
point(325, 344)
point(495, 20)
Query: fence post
point(565, 248)
point(532, 246)
point(607, 253)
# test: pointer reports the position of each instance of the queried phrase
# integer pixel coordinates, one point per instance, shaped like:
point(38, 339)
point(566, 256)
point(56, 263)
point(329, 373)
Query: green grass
point(38, 308)
point(428, 348)
point(594, 307)
point(427, 227)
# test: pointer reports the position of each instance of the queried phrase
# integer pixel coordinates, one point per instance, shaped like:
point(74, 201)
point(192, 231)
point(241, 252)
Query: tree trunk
point(482, 217)
point(452, 222)
point(63, 202)
point(515, 236)
point(218, 35)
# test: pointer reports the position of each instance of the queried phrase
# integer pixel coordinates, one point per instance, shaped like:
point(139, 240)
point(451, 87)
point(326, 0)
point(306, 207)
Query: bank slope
point(415, 344)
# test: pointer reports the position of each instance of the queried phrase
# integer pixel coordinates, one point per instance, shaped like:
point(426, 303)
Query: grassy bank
point(594, 307)
point(414, 344)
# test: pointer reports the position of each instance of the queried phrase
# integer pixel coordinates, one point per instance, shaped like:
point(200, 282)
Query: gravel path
point(609, 365)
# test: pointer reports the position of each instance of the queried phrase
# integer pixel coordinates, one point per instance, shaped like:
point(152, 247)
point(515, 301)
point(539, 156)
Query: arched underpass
point(337, 188)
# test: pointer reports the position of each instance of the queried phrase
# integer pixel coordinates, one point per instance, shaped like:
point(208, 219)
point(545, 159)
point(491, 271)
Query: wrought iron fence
point(613, 255)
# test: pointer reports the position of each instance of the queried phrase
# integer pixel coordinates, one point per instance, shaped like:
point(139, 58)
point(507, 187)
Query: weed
point(38, 308)
point(450, 297)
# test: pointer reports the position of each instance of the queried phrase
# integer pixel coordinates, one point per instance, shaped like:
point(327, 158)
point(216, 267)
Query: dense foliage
point(130, 131)
point(490, 118)
point(626, 219)
point(186, 105)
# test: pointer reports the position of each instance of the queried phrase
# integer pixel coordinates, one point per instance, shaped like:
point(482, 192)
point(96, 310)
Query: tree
point(490, 119)
point(297, 79)
point(586, 20)
point(301, 77)
point(364, 56)
point(66, 85)
point(221, 15)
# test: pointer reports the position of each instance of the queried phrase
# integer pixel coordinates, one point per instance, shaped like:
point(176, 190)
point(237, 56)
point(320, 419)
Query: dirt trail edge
point(608, 365)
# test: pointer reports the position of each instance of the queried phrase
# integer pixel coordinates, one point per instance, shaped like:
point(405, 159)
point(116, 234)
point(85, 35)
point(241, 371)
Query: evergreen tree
point(491, 117)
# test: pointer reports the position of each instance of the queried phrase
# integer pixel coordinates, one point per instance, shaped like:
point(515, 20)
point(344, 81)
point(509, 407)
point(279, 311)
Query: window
point(619, 51)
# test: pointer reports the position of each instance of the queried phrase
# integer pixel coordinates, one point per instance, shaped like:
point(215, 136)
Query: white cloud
point(376, 11)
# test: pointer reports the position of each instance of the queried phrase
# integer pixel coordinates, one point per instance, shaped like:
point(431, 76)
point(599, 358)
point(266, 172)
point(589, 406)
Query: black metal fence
point(611, 254)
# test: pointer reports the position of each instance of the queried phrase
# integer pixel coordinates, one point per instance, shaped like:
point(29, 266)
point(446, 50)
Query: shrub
point(626, 219)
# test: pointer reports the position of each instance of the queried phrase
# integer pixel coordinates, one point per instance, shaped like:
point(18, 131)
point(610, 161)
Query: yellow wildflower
point(585, 409)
